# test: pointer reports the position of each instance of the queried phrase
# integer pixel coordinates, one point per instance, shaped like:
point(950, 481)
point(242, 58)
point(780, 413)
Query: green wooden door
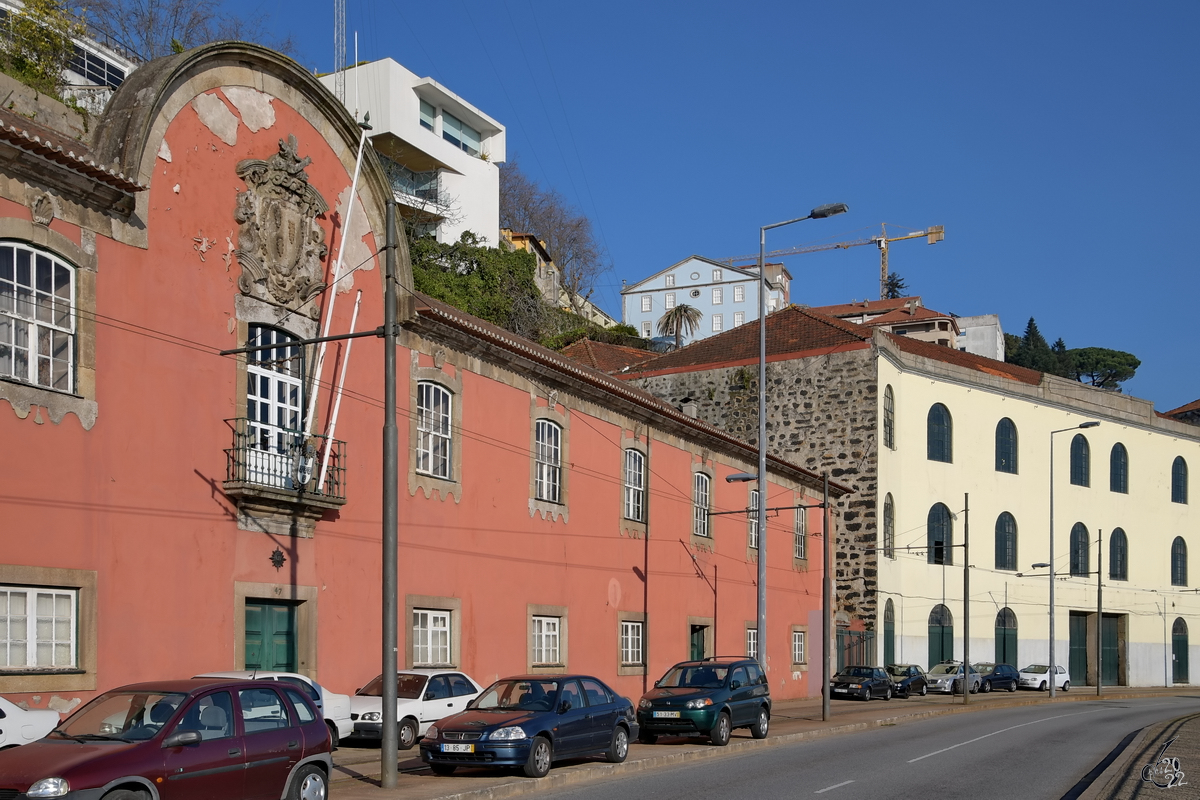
point(889, 634)
point(696, 642)
point(1006, 638)
point(1109, 650)
point(1179, 651)
point(270, 635)
point(1078, 655)
point(941, 635)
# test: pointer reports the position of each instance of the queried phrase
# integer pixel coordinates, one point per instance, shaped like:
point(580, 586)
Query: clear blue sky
point(1056, 142)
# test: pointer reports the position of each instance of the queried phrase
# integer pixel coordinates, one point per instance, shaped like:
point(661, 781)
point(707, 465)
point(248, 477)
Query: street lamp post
point(820, 212)
point(1090, 424)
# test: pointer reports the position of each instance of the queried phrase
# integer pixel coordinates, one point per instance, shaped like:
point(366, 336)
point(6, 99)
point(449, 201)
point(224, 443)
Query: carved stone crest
point(42, 208)
point(280, 244)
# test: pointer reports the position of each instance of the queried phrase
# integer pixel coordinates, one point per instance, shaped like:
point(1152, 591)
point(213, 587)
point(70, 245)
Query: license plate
point(458, 748)
point(666, 715)
point(843, 691)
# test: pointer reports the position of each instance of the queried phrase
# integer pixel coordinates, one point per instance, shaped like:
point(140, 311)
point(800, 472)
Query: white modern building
point(441, 152)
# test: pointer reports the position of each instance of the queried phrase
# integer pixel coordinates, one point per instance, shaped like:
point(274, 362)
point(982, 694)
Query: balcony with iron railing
point(281, 466)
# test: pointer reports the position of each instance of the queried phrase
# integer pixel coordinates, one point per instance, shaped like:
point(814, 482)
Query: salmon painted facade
point(168, 510)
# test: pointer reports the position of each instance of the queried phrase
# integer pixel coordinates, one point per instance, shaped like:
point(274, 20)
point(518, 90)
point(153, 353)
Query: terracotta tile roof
point(606, 357)
point(436, 310)
point(899, 315)
point(52, 146)
point(792, 330)
point(959, 358)
point(1193, 406)
point(865, 307)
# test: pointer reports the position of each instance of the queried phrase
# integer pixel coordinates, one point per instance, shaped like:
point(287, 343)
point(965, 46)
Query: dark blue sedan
point(530, 721)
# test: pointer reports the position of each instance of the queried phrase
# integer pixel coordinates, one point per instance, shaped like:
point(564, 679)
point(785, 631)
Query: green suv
point(709, 698)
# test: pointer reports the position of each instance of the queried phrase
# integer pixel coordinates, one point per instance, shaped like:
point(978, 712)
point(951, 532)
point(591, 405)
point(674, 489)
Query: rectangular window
point(647, 303)
point(669, 302)
point(548, 447)
point(751, 642)
point(670, 281)
point(700, 501)
point(739, 294)
point(801, 546)
point(433, 430)
point(428, 112)
point(274, 405)
point(753, 513)
point(431, 637)
point(631, 643)
point(645, 330)
point(460, 134)
point(37, 628)
point(635, 485)
point(37, 319)
point(739, 318)
point(546, 640)
point(718, 295)
point(716, 322)
point(716, 274)
point(798, 654)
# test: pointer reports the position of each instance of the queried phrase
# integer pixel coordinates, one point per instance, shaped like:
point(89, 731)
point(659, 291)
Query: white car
point(1035, 677)
point(423, 696)
point(18, 726)
point(334, 707)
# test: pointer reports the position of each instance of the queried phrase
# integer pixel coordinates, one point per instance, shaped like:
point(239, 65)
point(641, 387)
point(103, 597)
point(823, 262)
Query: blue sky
point(1056, 142)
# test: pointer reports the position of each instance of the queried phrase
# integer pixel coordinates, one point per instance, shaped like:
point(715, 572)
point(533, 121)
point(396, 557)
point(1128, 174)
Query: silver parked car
point(947, 678)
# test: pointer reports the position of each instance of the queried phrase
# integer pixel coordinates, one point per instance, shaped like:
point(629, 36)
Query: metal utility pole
point(826, 603)
point(388, 745)
point(966, 598)
point(339, 50)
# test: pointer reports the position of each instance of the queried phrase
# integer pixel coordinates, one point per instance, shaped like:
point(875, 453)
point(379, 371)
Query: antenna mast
point(339, 50)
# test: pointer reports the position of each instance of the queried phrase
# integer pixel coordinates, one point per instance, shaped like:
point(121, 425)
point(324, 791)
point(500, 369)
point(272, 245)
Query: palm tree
point(681, 320)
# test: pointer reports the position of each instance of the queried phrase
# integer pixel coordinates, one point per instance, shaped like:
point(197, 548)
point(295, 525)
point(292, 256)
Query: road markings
point(835, 786)
point(1003, 730)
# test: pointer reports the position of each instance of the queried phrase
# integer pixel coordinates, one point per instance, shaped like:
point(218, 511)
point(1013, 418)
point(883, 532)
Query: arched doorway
point(1179, 650)
point(941, 635)
point(1006, 637)
point(889, 633)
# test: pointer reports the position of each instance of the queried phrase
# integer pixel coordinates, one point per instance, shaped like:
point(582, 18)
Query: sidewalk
point(356, 769)
point(1162, 756)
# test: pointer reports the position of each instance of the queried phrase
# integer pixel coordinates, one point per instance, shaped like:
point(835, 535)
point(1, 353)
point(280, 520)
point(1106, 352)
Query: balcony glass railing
point(277, 458)
point(422, 185)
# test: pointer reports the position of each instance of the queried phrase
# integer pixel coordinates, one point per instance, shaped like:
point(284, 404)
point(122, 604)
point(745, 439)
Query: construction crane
point(933, 234)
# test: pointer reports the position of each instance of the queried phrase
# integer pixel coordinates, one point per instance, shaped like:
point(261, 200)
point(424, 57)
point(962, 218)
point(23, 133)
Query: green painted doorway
point(889, 633)
point(1109, 650)
point(941, 635)
point(1006, 638)
point(1179, 651)
point(270, 635)
point(696, 642)
point(1078, 652)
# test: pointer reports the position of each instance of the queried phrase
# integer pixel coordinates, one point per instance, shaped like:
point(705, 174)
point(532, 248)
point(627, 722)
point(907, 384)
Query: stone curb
point(603, 771)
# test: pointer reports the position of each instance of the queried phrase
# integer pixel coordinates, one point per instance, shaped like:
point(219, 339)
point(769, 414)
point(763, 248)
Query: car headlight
point(372, 716)
point(700, 703)
point(644, 703)
point(49, 787)
point(432, 733)
point(512, 733)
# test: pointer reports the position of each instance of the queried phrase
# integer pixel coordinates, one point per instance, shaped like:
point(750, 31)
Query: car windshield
point(1037, 669)
point(696, 676)
point(986, 669)
point(123, 715)
point(898, 671)
point(945, 669)
point(855, 672)
point(408, 687)
point(526, 694)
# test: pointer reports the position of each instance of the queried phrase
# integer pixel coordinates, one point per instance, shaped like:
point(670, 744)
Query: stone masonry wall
point(821, 415)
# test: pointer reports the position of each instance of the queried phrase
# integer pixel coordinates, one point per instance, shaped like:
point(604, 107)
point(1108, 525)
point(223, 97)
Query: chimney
point(689, 408)
point(911, 307)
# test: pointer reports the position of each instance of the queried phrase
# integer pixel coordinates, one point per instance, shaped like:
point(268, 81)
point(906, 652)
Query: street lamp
point(820, 212)
point(1091, 424)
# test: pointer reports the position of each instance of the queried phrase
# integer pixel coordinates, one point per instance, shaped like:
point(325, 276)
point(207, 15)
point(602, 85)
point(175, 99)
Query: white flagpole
point(337, 402)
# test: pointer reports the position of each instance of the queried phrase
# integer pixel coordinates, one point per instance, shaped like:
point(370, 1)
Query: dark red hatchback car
point(179, 740)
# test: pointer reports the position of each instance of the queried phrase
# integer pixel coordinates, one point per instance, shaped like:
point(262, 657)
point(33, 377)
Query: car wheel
point(1012, 687)
point(619, 749)
point(334, 739)
point(720, 732)
point(924, 690)
point(887, 694)
point(538, 763)
point(987, 687)
point(762, 725)
point(647, 738)
point(974, 688)
point(309, 783)
point(443, 769)
point(1067, 686)
point(1042, 688)
point(120, 794)
point(407, 736)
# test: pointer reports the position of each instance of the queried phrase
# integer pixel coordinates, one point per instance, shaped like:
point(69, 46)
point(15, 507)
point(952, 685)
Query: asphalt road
point(1027, 752)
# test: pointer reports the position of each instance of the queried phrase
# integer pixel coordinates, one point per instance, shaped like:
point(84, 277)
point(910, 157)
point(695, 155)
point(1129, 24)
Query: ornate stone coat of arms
point(280, 243)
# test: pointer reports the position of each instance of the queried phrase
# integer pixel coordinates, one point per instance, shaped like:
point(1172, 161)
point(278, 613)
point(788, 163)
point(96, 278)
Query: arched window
point(1118, 556)
point(1179, 562)
point(433, 429)
point(548, 459)
point(1006, 446)
point(1006, 637)
point(889, 418)
point(889, 633)
point(940, 434)
point(1118, 469)
point(1080, 557)
point(1179, 481)
point(941, 635)
point(1006, 541)
point(635, 485)
point(37, 318)
point(940, 535)
point(889, 526)
point(1081, 457)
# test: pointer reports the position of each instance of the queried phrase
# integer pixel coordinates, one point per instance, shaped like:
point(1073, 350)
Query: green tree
point(680, 321)
point(38, 45)
point(896, 287)
point(1102, 367)
point(1034, 352)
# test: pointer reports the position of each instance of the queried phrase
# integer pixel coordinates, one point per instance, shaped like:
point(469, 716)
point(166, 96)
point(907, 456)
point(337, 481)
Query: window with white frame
point(670, 281)
point(739, 294)
point(718, 295)
point(631, 642)
point(800, 549)
point(645, 330)
point(751, 642)
point(460, 134)
point(647, 303)
point(37, 318)
point(431, 637)
point(753, 514)
point(669, 301)
point(716, 274)
point(635, 485)
point(798, 654)
point(433, 429)
point(37, 628)
point(739, 318)
point(546, 643)
point(701, 493)
point(548, 455)
point(717, 322)
point(274, 406)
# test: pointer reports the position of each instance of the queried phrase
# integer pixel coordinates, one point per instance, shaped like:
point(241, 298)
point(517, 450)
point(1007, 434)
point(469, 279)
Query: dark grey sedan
point(862, 683)
point(907, 680)
point(997, 676)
